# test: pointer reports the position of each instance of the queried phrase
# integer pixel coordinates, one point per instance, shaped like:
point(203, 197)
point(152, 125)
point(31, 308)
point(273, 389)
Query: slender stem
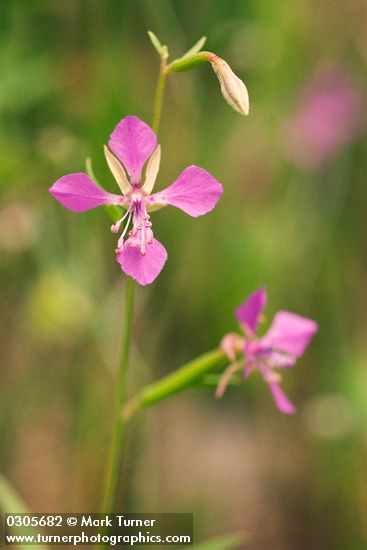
point(114, 468)
point(159, 94)
point(116, 451)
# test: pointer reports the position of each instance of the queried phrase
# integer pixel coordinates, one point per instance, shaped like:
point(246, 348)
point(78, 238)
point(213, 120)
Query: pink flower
point(132, 142)
point(279, 349)
point(328, 117)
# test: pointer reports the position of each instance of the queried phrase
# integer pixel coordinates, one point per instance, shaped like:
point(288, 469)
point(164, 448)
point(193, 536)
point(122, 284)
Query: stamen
point(126, 226)
point(120, 242)
point(116, 227)
point(141, 234)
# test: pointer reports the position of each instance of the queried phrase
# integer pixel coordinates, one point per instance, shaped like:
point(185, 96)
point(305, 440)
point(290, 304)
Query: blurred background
point(293, 218)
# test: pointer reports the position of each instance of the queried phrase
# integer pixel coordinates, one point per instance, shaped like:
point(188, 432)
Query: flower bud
point(233, 89)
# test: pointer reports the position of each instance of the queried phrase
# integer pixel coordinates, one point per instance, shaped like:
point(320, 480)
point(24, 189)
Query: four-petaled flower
point(285, 341)
point(132, 142)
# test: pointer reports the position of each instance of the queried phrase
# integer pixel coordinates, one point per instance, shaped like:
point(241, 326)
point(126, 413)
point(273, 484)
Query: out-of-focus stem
point(114, 466)
point(186, 376)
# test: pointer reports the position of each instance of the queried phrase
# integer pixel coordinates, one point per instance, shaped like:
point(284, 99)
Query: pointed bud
point(233, 89)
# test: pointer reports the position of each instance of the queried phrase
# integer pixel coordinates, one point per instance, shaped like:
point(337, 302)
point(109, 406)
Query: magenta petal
point(281, 400)
point(249, 312)
point(78, 192)
point(143, 269)
point(195, 192)
point(290, 333)
point(133, 141)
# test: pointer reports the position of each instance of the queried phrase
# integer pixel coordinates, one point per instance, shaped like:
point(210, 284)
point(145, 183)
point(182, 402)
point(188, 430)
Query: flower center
point(141, 234)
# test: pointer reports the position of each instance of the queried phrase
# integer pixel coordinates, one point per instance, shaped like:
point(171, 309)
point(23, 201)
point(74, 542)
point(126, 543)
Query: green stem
point(116, 451)
point(159, 94)
point(114, 468)
point(189, 62)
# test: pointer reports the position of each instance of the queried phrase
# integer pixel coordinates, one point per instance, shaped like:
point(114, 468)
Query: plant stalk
point(114, 467)
point(116, 451)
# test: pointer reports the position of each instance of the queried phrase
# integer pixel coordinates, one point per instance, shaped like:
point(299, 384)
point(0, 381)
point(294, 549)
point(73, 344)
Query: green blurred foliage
point(69, 71)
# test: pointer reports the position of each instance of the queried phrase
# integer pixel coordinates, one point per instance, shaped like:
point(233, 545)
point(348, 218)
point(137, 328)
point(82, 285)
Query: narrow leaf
point(196, 48)
point(157, 45)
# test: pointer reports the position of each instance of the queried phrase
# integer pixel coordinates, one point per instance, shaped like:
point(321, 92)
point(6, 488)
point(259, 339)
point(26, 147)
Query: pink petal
point(143, 269)
point(133, 141)
point(290, 333)
point(195, 192)
point(249, 312)
point(281, 400)
point(78, 192)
